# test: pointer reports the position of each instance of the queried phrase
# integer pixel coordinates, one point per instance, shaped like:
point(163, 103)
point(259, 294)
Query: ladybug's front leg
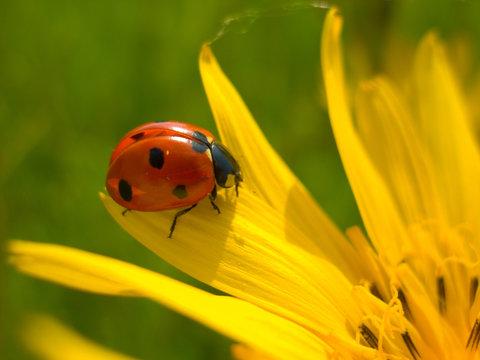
point(212, 197)
point(177, 215)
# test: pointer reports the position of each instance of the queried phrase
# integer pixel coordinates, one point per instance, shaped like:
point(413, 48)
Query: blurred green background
point(75, 76)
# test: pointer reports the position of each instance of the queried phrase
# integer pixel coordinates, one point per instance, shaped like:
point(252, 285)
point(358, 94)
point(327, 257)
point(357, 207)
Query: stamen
point(410, 345)
point(441, 294)
point(403, 300)
point(473, 289)
point(474, 337)
point(375, 292)
point(369, 336)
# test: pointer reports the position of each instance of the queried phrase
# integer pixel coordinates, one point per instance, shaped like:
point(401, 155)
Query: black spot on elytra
point(138, 136)
point(180, 191)
point(200, 136)
point(201, 145)
point(156, 158)
point(125, 190)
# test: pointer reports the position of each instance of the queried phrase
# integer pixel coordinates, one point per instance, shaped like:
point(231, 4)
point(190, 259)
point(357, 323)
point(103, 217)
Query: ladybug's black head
point(226, 168)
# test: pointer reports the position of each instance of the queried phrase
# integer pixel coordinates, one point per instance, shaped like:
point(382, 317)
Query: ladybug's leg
point(124, 212)
point(177, 215)
point(212, 197)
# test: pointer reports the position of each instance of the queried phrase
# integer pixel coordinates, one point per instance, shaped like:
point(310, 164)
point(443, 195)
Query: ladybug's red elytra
point(169, 165)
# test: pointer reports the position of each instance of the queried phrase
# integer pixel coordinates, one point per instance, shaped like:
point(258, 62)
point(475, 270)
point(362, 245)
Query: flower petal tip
point(335, 11)
point(432, 44)
point(335, 18)
point(432, 37)
point(15, 245)
point(50, 339)
point(206, 54)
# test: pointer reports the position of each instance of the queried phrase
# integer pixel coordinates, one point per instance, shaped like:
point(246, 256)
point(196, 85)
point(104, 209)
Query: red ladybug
point(169, 165)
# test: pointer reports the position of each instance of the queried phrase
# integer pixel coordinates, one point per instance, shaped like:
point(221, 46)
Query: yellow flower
point(299, 288)
point(51, 340)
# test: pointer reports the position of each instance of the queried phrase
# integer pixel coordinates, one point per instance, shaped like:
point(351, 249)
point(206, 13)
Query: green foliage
point(75, 76)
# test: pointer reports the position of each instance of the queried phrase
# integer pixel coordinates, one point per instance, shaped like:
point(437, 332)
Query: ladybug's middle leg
point(177, 215)
point(212, 197)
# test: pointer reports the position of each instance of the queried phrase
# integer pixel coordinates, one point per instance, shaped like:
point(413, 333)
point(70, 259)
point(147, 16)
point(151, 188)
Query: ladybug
point(169, 165)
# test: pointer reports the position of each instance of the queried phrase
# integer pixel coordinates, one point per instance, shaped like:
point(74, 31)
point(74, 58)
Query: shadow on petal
point(335, 247)
point(201, 225)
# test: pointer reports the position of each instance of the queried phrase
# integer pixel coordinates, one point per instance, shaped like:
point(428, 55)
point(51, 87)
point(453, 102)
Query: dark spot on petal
point(156, 158)
point(473, 290)
point(474, 337)
point(403, 300)
point(125, 190)
point(368, 336)
point(137, 136)
point(410, 345)
point(180, 191)
point(375, 292)
point(441, 293)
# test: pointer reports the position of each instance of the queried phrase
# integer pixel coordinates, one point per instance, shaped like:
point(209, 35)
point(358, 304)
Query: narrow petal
point(266, 173)
point(379, 213)
point(249, 257)
point(389, 135)
point(455, 298)
point(377, 275)
point(51, 340)
point(244, 322)
point(428, 320)
point(242, 352)
point(446, 129)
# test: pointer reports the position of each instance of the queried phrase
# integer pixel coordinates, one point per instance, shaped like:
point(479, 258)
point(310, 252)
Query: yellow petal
point(457, 282)
point(91, 282)
point(242, 352)
point(472, 102)
point(244, 322)
point(51, 340)
point(377, 275)
point(379, 213)
point(266, 173)
point(389, 135)
point(388, 323)
point(445, 127)
point(426, 317)
point(248, 256)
